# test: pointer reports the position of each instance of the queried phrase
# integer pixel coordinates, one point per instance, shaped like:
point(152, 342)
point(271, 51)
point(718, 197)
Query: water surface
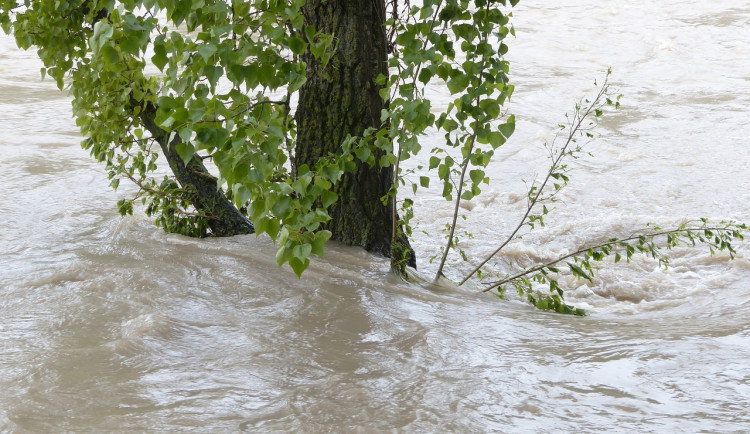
point(109, 324)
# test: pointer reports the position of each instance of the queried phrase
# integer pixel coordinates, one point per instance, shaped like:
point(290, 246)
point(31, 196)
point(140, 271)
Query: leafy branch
point(651, 243)
point(556, 170)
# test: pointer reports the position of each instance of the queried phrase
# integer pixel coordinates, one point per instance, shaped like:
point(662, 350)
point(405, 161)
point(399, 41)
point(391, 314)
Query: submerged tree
point(217, 81)
point(292, 118)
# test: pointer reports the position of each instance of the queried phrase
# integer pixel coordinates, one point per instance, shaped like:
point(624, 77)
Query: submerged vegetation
point(293, 118)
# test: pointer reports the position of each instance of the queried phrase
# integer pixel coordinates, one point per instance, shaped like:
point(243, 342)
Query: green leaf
point(261, 225)
point(328, 198)
point(282, 206)
point(125, 207)
point(447, 190)
point(458, 83)
point(272, 228)
point(310, 33)
point(434, 162)
point(213, 74)
point(167, 123)
point(242, 195)
point(159, 58)
point(298, 265)
point(425, 75)
point(109, 55)
point(508, 127)
point(495, 139)
point(283, 254)
point(491, 107)
point(319, 242)
point(476, 176)
point(578, 272)
point(130, 44)
point(297, 45)
point(185, 151)
point(302, 251)
point(363, 153)
point(424, 181)
point(207, 51)
point(102, 32)
point(443, 172)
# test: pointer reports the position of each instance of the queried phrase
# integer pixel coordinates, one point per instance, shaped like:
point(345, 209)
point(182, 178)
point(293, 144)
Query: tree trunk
point(225, 219)
point(345, 100)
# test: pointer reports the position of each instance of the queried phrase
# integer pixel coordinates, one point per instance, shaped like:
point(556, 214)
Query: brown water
point(108, 324)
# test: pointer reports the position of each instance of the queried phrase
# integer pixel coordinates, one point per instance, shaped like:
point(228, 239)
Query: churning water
point(108, 324)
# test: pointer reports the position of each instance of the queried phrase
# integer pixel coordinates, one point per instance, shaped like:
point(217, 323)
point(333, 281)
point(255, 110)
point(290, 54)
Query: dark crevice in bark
point(345, 100)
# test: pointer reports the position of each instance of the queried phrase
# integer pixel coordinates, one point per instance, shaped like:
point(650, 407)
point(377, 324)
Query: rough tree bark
point(345, 100)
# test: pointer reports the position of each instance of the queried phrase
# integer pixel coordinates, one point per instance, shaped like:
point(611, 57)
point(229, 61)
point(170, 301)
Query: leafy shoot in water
point(557, 174)
point(651, 242)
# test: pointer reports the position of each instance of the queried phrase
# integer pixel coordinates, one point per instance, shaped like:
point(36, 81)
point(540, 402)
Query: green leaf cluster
point(210, 80)
point(457, 46)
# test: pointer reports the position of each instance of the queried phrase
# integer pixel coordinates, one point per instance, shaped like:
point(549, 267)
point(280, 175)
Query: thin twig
point(575, 127)
point(459, 190)
point(598, 246)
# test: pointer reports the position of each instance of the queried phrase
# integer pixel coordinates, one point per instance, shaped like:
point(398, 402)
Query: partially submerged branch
point(650, 243)
point(209, 198)
point(575, 127)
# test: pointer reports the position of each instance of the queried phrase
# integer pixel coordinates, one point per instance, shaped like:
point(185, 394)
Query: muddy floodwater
point(109, 324)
